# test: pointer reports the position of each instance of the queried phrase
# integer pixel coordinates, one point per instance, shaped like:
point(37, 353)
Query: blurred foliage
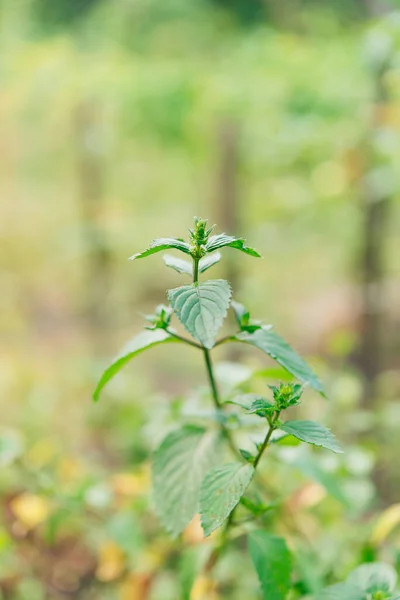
point(153, 82)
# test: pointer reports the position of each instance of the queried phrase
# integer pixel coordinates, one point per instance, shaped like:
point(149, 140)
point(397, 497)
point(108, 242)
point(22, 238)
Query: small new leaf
point(163, 244)
point(312, 433)
point(178, 468)
point(202, 308)
point(248, 457)
point(184, 266)
point(246, 401)
point(145, 339)
point(222, 240)
point(273, 563)
point(221, 491)
point(209, 261)
point(243, 318)
point(161, 318)
point(287, 394)
point(276, 347)
point(262, 407)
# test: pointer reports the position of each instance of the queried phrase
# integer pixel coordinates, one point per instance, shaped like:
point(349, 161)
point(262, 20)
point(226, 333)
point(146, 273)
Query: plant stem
point(196, 270)
point(182, 339)
point(227, 338)
point(265, 443)
point(216, 399)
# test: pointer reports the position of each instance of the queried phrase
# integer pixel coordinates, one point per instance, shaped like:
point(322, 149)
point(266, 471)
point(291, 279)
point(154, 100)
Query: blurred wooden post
point(376, 216)
point(228, 218)
point(228, 210)
point(90, 169)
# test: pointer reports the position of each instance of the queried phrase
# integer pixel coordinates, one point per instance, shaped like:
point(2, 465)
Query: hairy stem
point(196, 270)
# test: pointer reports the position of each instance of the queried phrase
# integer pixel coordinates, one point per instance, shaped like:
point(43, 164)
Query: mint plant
point(190, 470)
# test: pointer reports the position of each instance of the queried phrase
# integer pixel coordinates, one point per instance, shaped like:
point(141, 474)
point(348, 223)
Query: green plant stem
point(271, 429)
point(265, 443)
point(217, 402)
point(227, 338)
point(182, 339)
point(196, 270)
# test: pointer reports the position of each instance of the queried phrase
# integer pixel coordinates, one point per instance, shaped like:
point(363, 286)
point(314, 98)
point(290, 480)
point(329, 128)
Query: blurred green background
point(120, 121)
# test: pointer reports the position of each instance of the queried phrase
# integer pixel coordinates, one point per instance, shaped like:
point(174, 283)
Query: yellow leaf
point(41, 453)
point(385, 524)
point(111, 563)
point(70, 470)
point(193, 533)
point(130, 484)
point(204, 589)
point(136, 587)
point(30, 510)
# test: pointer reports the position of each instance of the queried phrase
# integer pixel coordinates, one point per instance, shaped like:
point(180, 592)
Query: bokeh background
point(120, 121)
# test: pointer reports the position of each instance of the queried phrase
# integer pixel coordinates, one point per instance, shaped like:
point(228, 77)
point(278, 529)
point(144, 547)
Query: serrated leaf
point(145, 339)
point(161, 244)
point(374, 577)
point(312, 433)
point(178, 264)
point(222, 240)
point(209, 261)
point(272, 344)
point(178, 468)
point(341, 591)
point(261, 406)
point(273, 563)
point(221, 491)
point(202, 308)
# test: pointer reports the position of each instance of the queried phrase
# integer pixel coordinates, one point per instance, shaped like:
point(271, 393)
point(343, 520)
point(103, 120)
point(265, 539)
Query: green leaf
point(262, 407)
point(163, 244)
point(341, 591)
point(178, 264)
point(222, 240)
point(209, 261)
point(330, 481)
point(241, 313)
point(178, 468)
point(11, 446)
point(243, 318)
point(374, 577)
point(273, 563)
point(248, 456)
point(256, 507)
point(191, 564)
point(145, 339)
point(221, 491)
point(276, 347)
point(246, 401)
point(202, 308)
point(183, 266)
point(312, 433)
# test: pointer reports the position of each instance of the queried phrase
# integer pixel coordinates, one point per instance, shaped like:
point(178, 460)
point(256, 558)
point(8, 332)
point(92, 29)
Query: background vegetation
point(278, 120)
